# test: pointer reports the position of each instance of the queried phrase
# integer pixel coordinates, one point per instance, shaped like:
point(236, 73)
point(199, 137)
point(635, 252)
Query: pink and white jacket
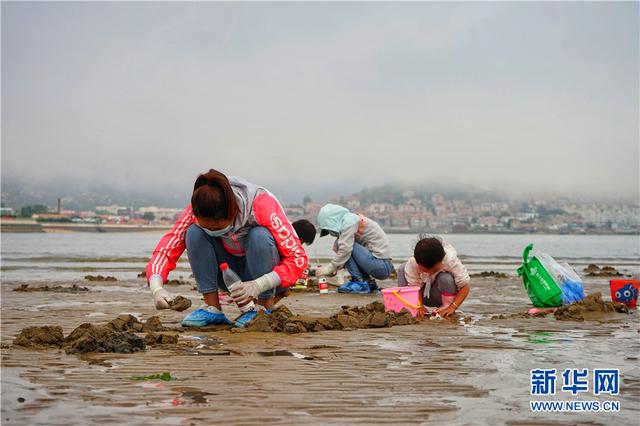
point(258, 207)
point(451, 263)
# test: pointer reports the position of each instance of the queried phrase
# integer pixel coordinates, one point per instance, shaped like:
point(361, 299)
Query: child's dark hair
point(213, 197)
point(305, 230)
point(428, 252)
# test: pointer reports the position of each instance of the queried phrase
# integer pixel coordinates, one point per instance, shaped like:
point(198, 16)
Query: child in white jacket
point(435, 267)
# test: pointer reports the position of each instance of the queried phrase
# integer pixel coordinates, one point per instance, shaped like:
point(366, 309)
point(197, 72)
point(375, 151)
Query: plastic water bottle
point(323, 286)
point(230, 279)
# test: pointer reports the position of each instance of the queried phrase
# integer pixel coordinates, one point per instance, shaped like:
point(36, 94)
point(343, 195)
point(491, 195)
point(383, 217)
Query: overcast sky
point(323, 98)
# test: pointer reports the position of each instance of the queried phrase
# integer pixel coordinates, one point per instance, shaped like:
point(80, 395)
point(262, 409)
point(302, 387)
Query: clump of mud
point(180, 303)
point(99, 278)
point(152, 324)
point(522, 315)
point(40, 337)
point(490, 274)
point(128, 322)
point(161, 338)
point(372, 315)
point(118, 335)
point(591, 307)
point(593, 270)
point(56, 289)
point(102, 338)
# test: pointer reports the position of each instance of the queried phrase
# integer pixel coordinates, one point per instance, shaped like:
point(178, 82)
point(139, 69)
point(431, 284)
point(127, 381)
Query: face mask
point(218, 232)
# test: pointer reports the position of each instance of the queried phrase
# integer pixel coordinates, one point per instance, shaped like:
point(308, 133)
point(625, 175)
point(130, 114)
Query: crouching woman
point(236, 222)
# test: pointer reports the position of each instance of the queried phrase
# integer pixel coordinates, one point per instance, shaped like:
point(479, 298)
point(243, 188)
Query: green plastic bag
point(543, 291)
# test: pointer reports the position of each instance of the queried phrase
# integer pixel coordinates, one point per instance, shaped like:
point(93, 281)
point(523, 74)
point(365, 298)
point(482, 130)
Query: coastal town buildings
point(405, 212)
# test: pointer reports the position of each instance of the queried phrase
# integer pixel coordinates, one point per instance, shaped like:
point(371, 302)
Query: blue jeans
point(206, 253)
point(363, 264)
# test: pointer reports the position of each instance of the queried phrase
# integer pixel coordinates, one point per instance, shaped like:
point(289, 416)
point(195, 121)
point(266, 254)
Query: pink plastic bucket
point(399, 298)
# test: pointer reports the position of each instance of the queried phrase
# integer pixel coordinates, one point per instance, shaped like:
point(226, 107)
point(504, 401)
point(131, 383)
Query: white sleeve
point(457, 269)
point(412, 274)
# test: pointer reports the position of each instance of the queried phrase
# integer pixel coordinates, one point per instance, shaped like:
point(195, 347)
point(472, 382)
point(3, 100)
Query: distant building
point(160, 213)
point(7, 212)
point(112, 209)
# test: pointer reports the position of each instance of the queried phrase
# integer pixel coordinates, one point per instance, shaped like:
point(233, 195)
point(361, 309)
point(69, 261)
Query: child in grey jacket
point(362, 247)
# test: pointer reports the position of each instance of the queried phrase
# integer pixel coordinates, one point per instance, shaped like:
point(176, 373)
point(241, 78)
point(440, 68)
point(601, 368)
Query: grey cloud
point(323, 97)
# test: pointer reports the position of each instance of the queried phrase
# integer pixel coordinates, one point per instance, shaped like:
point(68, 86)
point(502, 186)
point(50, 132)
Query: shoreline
point(31, 226)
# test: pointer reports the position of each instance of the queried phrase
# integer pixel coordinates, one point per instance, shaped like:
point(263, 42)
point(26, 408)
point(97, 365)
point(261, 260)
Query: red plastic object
point(625, 291)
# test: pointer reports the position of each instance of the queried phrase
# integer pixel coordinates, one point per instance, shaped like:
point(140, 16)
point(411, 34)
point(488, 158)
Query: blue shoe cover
point(202, 318)
point(245, 318)
point(355, 287)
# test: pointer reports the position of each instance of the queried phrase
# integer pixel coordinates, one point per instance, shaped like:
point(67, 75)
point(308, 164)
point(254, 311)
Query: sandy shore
point(431, 372)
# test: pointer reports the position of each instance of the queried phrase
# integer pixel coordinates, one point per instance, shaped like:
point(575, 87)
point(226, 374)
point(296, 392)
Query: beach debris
point(75, 288)
point(593, 270)
point(310, 287)
point(40, 337)
point(282, 352)
point(592, 307)
point(102, 338)
point(490, 274)
point(180, 303)
point(99, 278)
point(164, 376)
point(372, 315)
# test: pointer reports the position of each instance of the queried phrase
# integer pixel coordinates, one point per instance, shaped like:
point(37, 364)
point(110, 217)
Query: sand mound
point(180, 303)
point(369, 316)
point(56, 289)
point(591, 307)
point(40, 337)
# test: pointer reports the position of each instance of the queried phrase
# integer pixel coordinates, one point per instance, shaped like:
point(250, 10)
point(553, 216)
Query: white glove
point(246, 291)
point(161, 297)
point(326, 271)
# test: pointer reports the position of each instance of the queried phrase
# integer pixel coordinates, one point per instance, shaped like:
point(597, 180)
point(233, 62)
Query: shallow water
point(71, 256)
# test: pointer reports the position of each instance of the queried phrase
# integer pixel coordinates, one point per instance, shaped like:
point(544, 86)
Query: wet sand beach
point(471, 371)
